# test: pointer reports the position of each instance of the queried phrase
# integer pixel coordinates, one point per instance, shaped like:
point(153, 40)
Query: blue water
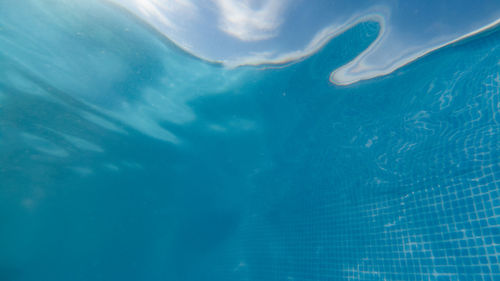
point(124, 158)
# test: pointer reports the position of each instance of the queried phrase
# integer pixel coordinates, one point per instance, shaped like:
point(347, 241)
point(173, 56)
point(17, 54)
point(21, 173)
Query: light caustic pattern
point(124, 158)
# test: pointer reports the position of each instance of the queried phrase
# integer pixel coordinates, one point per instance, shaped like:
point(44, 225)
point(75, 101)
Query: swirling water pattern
point(124, 158)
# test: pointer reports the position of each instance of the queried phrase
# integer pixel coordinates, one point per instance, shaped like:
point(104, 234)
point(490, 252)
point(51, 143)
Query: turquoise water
point(122, 157)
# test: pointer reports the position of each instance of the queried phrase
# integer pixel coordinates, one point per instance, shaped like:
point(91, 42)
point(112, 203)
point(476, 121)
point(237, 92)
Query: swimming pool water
point(124, 158)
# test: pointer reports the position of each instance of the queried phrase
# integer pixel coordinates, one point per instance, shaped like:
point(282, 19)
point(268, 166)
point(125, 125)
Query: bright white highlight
point(249, 21)
point(259, 22)
point(164, 13)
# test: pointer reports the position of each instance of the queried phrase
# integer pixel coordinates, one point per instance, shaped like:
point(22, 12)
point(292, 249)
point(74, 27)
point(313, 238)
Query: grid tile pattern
point(423, 204)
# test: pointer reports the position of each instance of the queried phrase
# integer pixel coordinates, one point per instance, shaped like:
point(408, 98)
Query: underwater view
point(249, 140)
